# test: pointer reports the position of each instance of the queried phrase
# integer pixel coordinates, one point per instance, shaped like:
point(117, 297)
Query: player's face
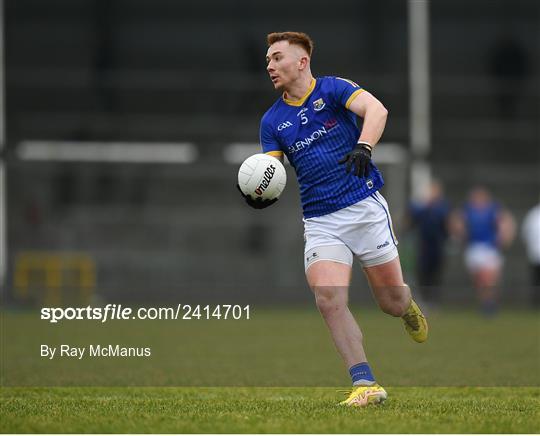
point(479, 196)
point(283, 63)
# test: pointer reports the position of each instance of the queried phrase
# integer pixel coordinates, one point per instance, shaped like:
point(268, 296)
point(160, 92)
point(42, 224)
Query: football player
point(314, 124)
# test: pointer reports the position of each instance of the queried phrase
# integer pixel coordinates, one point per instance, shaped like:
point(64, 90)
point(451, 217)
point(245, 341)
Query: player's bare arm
point(366, 106)
point(374, 114)
point(277, 154)
point(506, 228)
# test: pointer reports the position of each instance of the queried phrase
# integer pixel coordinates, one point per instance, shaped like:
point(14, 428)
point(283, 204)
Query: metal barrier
point(54, 277)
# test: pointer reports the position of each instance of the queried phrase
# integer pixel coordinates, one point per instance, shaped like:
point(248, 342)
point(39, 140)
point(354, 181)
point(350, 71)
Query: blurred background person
point(530, 233)
point(430, 219)
point(486, 227)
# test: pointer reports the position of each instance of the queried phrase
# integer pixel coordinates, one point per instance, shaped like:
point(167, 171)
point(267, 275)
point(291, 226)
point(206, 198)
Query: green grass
point(472, 376)
point(277, 347)
point(266, 410)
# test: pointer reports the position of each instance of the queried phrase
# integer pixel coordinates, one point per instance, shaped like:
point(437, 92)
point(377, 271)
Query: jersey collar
point(304, 97)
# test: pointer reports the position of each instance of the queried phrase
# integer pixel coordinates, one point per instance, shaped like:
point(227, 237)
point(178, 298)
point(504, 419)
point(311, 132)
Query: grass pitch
point(472, 376)
point(277, 347)
point(267, 410)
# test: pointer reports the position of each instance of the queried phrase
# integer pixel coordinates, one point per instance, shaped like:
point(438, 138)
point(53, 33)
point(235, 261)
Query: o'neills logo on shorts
point(268, 174)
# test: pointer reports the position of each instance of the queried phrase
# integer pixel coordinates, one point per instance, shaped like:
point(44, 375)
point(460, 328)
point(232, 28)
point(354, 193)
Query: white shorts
point(482, 256)
point(363, 230)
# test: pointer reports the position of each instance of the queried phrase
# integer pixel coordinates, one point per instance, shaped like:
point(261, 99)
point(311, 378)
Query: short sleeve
point(269, 143)
point(346, 90)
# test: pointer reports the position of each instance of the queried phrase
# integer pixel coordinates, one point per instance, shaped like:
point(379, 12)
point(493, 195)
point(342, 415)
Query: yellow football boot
point(361, 396)
point(415, 323)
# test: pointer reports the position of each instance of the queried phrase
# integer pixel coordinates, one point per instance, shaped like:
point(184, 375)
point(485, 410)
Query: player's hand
point(257, 203)
point(359, 158)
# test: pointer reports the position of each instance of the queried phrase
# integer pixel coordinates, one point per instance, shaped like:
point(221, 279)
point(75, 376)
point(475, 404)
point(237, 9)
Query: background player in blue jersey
point(314, 124)
point(430, 218)
point(486, 228)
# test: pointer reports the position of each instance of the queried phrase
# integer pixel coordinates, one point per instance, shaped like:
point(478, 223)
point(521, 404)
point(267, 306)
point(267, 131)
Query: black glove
point(257, 203)
point(360, 158)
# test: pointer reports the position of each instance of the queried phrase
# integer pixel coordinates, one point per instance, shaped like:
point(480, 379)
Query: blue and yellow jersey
point(315, 132)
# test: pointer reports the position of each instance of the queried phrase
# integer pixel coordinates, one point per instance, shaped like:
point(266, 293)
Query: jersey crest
point(318, 104)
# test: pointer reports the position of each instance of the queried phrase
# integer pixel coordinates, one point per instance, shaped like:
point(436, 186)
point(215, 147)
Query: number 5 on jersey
point(303, 117)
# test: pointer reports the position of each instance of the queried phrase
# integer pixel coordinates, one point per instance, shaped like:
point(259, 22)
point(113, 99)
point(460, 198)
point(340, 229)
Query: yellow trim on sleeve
point(356, 85)
point(304, 97)
point(352, 97)
point(275, 153)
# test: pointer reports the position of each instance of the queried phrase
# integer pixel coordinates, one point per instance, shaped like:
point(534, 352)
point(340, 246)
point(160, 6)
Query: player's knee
point(395, 305)
point(329, 300)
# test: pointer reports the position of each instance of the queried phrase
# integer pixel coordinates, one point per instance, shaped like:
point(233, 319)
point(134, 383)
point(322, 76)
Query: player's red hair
point(297, 38)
